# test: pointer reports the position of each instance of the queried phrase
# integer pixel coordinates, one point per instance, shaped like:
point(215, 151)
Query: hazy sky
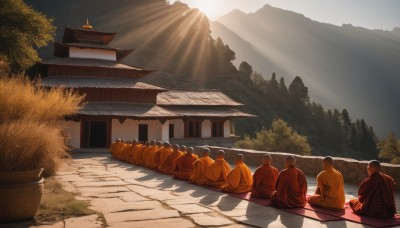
point(373, 14)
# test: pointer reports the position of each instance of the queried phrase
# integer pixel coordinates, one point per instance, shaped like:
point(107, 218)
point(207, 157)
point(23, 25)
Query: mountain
point(344, 67)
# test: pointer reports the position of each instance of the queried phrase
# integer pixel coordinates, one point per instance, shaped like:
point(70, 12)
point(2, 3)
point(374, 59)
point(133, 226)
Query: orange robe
point(330, 190)
point(118, 150)
point(164, 154)
point(138, 156)
point(169, 165)
point(264, 181)
point(145, 154)
point(154, 158)
point(291, 188)
point(217, 173)
point(199, 173)
point(183, 169)
point(375, 197)
point(112, 148)
point(239, 179)
point(131, 153)
point(125, 152)
point(148, 155)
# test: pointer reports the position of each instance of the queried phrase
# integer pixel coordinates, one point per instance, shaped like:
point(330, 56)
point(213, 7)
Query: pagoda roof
point(84, 62)
point(97, 82)
point(72, 35)
point(128, 110)
point(195, 98)
point(208, 112)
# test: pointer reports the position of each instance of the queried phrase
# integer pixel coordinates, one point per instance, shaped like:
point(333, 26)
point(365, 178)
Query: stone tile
point(210, 220)
point(91, 221)
point(55, 225)
point(160, 223)
point(101, 184)
point(190, 208)
point(67, 186)
point(180, 201)
point(95, 191)
point(140, 215)
point(125, 196)
point(118, 205)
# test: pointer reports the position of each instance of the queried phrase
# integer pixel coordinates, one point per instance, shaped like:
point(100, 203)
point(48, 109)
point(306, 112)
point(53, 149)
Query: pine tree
point(245, 70)
point(298, 90)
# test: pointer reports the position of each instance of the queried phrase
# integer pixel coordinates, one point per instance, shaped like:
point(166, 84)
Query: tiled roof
point(193, 97)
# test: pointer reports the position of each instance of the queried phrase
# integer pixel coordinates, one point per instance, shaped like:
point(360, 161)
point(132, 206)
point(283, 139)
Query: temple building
point(118, 105)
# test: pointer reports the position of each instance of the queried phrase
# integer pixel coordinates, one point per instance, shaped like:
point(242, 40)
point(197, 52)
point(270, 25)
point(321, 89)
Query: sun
point(208, 7)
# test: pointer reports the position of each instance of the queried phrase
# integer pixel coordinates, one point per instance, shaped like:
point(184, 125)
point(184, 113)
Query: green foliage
point(280, 138)
point(245, 70)
point(22, 30)
point(389, 148)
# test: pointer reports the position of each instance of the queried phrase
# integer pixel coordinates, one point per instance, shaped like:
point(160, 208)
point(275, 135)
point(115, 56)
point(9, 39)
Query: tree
point(298, 90)
point(389, 148)
point(22, 30)
point(282, 88)
point(280, 137)
point(245, 70)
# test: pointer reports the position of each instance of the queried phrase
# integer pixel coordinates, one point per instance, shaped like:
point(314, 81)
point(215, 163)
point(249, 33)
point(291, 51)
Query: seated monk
point(264, 179)
point(200, 166)
point(164, 154)
point(125, 151)
point(183, 168)
point(291, 186)
point(239, 179)
point(376, 194)
point(119, 149)
point(169, 164)
point(146, 153)
point(217, 172)
point(113, 147)
point(137, 158)
point(154, 156)
point(182, 149)
point(135, 146)
point(330, 188)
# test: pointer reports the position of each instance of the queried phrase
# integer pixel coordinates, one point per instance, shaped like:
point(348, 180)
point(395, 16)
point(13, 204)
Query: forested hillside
point(176, 41)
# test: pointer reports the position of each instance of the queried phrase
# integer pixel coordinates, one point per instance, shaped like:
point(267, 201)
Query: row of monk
point(287, 188)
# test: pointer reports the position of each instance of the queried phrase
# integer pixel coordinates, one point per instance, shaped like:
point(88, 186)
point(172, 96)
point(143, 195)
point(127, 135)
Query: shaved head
point(183, 148)
point(290, 161)
point(239, 158)
point(374, 166)
point(147, 143)
point(153, 142)
point(328, 162)
point(220, 154)
point(175, 147)
point(267, 159)
point(135, 141)
point(159, 143)
point(190, 150)
point(206, 152)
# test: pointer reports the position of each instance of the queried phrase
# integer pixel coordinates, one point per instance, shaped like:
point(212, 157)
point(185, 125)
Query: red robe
point(375, 197)
point(264, 181)
point(291, 189)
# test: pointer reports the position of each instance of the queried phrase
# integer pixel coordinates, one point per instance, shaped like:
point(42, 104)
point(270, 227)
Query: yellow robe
point(199, 172)
point(217, 172)
point(330, 190)
point(239, 179)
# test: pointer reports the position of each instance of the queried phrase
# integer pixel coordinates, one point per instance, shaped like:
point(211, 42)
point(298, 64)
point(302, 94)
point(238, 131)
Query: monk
point(291, 186)
point(200, 166)
point(119, 149)
point(114, 147)
point(147, 152)
point(376, 194)
point(137, 157)
point(264, 179)
point(135, 146)
point(183, 149)
point(183, 168)
point(239, 179)
point(153, 149)
point(217, 172)
point(330, 187)
point(125, 151)
point(154, 156)
point(168, 166)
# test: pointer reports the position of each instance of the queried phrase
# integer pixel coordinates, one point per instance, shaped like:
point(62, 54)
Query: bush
point(31, 124)
point(280, 138)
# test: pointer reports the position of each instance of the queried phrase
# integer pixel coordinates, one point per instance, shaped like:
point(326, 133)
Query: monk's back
point(333, 191)
point(291, 188)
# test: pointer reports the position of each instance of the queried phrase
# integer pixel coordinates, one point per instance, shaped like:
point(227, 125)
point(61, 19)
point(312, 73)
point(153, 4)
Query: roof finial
point(87, 26)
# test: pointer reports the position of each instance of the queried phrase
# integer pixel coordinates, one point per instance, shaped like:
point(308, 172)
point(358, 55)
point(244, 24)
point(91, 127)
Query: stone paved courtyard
point(132, 196)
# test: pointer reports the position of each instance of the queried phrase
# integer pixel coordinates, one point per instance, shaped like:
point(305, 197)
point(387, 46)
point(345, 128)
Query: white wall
point(72, 131)
point(130, 129)
point(165, 131)
point(179, 128)
point(206, 129)
point(227, 128)
point(89, 53)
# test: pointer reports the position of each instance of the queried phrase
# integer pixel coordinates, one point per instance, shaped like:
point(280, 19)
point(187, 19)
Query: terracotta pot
point(20, 195)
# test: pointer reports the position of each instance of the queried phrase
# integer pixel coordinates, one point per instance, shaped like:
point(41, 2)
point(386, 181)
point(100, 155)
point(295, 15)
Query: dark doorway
point(143, 132)
point(95, 134)
point(171, 131)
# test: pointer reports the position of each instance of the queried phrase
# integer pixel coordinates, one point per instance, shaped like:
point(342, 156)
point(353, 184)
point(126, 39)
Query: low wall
point(220, 142)
point(353, 171)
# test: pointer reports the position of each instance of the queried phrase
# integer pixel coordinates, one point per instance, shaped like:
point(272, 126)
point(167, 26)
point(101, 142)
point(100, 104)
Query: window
point(217, 128)
point(171, 131)
point(193, 129)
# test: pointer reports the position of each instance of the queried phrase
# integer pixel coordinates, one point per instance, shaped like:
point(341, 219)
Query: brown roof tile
point(193, 97)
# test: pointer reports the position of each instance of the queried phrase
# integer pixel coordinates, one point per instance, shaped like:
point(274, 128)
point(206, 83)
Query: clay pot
point(20, 195)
